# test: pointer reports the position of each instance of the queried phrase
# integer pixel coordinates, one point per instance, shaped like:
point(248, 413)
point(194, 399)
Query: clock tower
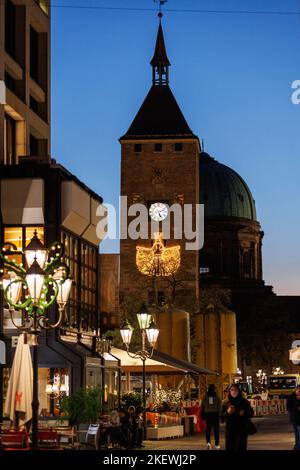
point(160, 168)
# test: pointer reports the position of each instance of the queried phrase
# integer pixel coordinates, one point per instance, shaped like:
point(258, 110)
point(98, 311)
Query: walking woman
point(211, 407)
point(236, 412)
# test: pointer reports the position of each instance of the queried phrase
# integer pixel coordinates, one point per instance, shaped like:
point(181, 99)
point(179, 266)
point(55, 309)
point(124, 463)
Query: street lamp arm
point(44, 324)
point(27, 327)
point(143, 354)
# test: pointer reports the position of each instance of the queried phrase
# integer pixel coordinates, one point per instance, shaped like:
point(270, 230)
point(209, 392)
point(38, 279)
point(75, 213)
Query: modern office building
point(25, 71)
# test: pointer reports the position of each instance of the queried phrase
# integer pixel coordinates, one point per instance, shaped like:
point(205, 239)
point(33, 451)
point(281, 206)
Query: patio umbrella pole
point(35, 397)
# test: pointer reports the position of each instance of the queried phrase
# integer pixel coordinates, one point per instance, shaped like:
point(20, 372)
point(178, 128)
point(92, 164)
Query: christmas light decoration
point(158, 260)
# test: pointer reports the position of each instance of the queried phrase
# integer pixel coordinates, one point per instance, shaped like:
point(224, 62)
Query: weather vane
point(160, 4)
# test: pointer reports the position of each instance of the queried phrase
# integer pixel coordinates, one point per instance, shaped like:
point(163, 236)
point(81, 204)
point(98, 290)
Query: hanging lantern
point(152, 334)
point(144, 318)
point(11, 288)
point(126, 332)
point(36, 250)
point(64, 293)
point(35, 280)
point(64, 288)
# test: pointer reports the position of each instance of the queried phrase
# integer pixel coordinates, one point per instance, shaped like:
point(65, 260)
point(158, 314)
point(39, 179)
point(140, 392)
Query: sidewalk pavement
point(274, 433)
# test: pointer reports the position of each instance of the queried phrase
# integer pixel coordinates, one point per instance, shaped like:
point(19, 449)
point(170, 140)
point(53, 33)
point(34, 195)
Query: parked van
point(280, 386)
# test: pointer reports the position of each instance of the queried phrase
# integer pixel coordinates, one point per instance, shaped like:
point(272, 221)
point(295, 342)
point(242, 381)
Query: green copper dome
point(223, 192)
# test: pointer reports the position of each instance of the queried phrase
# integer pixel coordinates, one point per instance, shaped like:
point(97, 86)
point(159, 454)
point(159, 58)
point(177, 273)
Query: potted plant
point(84, 406)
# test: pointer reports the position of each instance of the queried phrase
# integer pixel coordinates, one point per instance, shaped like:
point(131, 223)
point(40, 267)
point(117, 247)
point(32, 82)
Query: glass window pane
point(30, 233)
point(13, 235)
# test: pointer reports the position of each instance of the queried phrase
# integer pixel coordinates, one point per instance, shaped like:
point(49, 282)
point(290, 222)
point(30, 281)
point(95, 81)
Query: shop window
point(54, 386)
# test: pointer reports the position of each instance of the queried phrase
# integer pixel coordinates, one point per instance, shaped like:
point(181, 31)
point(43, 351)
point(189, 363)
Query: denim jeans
point(297, 436)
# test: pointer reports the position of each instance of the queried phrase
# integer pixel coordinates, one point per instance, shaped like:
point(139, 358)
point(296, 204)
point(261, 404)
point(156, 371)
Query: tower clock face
point(158, 211)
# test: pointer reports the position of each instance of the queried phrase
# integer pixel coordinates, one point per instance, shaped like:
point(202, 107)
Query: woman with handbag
point(211, 407)
point(236, 413)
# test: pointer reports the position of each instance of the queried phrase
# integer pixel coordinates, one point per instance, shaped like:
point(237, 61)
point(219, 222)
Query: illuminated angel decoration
point(158, 260)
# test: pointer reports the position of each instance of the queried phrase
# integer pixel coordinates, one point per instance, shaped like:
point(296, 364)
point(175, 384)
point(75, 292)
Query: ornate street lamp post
point(33, 291)
point(148, 329)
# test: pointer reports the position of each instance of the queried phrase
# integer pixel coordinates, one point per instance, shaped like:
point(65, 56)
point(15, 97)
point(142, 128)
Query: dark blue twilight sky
point(231, 75)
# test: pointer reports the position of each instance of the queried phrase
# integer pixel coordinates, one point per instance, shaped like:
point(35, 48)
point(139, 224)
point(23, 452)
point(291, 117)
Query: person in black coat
point(211, 407)
point(293, 407)
point(236, 412)
point(131, 425)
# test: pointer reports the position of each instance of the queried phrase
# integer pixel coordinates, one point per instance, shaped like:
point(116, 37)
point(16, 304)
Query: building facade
point(25, 71)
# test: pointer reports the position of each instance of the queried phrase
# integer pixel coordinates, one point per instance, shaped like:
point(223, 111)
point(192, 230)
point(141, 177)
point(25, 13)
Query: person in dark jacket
point(211, 407)
point(236, 412)
point(132, 428)
point(293, 407)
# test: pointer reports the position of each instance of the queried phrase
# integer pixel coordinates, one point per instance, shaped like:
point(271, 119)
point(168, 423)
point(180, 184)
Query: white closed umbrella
point(19, 391)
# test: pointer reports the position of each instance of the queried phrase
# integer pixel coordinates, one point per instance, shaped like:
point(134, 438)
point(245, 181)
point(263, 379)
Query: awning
point(187, 366)
point(129, 364)
point(160, 363)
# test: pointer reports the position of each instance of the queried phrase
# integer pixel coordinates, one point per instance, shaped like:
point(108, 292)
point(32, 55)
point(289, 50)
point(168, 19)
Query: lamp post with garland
point(148, 330)
point(33, 291)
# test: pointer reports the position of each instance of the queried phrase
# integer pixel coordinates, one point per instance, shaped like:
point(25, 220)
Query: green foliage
point(84, 406)
point(132, 399)
point(114, 336)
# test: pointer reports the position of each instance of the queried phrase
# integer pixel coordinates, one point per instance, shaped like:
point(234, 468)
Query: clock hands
point(161, 212)
point(158, 211)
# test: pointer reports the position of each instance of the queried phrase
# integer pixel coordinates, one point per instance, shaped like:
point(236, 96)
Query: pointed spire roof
point(160, 54)
point(159, 116)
